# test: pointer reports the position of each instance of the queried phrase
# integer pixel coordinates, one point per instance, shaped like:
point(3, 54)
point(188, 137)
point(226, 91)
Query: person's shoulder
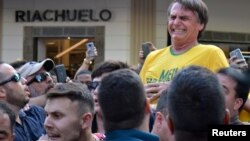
point(209, 47)
point(36, 108)
point(160, 51)
point(153, 55)
point(35, 111)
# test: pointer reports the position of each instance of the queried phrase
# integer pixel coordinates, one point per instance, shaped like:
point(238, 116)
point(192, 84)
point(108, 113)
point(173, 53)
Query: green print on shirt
point(167, 75)
point(151, 80)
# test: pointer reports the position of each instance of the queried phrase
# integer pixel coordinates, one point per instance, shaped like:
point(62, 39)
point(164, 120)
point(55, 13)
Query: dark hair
point(82, 72)
point(198, 7)
point(18, 64)
point(242, 87)
point(108, 66)
point(122, 100)
point(6, 110)
point(195, 100)
point(162, 103)
point(75, 92)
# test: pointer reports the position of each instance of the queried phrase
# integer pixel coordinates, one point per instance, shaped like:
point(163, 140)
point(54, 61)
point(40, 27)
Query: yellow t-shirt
point(161, 65)
point(244, 116)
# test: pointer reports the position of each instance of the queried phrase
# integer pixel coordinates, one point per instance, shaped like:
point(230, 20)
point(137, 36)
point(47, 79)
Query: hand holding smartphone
point(60, 73)
point(91, 49)
point(237, 53)
point(145, 49)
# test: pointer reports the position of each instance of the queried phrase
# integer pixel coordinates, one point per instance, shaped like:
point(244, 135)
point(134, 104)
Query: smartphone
point(91, 47)
point(237, 53)
point(145, 49)
point(60, 73)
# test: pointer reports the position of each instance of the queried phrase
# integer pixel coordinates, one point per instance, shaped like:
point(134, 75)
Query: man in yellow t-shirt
point(161, 65)
point(186, 22)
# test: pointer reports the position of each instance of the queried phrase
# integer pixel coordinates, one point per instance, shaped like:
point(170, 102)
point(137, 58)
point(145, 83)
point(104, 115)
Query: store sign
point(81, 15)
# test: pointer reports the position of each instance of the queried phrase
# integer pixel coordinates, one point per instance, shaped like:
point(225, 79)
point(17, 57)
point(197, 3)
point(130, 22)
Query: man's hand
point(238, 63)
point(141, 54)
point(154, 90)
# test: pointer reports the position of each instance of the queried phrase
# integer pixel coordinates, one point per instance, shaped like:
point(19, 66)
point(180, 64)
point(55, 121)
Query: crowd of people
point(174, 94)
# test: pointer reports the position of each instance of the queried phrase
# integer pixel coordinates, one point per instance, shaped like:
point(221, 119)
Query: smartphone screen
point(237, 53)
point(145, 49)
point(91, 47)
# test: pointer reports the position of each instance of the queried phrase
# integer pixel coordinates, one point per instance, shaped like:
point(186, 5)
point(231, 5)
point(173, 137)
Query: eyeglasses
point(39, 78)
point(15, 78)
point(93, 85)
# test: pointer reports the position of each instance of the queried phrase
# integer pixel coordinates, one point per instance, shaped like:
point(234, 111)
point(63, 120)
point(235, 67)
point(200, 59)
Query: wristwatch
point(87, 62)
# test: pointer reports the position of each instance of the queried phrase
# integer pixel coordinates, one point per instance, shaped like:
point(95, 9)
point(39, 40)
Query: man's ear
point(227, 117)
point(170, 125)
point(86, 120)
point(159, 117)
point(237, 103)
point(2, 93)
point(201, 27)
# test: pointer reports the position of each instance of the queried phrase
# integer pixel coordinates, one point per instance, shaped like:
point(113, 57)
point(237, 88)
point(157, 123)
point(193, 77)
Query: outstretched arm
point(87, 61)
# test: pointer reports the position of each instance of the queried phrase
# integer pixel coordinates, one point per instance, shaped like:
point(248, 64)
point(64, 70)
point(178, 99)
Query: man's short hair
point(196, 100)
point(75, 92)
point(108, 66)
point(162, 103)
point(122, 100)
point(82, 72)
point(17, 64)
point(4, 109)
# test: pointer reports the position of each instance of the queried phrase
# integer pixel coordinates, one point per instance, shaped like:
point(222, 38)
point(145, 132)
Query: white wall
point(117, 30)
point(225, 15)
point(229, 15)
point(161, 23)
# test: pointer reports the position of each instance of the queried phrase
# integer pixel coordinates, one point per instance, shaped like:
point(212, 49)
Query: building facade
point(37, 29)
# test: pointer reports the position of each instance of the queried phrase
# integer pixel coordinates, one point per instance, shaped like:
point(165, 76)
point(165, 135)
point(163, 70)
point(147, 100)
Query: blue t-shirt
point(130, 135)
point(32, 124)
